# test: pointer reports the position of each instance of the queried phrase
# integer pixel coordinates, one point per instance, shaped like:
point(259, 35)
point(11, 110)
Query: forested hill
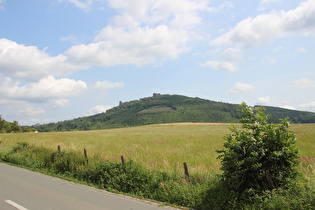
point(168, 109)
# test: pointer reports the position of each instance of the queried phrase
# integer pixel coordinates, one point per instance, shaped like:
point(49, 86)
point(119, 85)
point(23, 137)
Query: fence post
point(269, 179)
point(85, 155)
point(59, 150)
point(123, 160)
point(186, 172)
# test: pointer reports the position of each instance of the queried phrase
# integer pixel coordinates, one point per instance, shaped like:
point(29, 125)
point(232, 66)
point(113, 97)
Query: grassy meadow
point(159, 147)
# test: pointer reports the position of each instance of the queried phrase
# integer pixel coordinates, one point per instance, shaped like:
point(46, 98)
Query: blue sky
point(62, 59)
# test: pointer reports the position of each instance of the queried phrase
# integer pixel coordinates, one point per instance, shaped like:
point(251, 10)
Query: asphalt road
point(23, 189)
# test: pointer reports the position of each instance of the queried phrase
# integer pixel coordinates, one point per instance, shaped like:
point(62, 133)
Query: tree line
point(13, 127)
point(169, 109)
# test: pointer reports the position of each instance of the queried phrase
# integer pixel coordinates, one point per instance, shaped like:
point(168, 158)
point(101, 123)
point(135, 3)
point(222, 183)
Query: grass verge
point(202, 192)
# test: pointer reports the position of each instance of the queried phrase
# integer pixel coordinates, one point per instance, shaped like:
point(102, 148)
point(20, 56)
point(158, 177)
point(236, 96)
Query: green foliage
point(152, 110)
point(257, 152)
point(8, 127)
point(130, 178)
point(168, 109)
point(29, 129)
point(203, 192)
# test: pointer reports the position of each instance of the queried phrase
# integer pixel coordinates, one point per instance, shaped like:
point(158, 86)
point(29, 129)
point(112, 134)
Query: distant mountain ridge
point(160, 109)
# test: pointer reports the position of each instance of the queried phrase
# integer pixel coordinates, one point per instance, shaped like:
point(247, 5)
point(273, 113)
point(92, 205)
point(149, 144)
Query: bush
point(258, 156)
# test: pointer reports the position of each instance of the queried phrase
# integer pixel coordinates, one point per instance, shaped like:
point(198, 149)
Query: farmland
point(160, 147)
point(154, 158)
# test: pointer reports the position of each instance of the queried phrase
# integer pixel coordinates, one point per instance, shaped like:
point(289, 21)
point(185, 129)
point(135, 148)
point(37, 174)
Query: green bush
point(258, 156)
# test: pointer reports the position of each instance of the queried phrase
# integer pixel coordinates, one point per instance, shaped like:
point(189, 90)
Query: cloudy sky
point(62, 59)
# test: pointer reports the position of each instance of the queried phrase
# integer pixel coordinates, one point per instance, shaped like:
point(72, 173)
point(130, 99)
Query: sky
point(63, 59)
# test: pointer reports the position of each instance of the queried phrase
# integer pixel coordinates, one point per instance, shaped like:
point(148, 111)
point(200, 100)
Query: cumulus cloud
point(59, 103)
point(99, 109)
point(21, 108)
point(241, 88)
point(116, 46)
point(47, 88)
point(106, 85)
point(266, 27)
point(264, 100)
point(303, 84)
point(175, 13)
point(308, 106)
point(143, 32)
point(228, 60)
point(29, 63)
point(221, 65)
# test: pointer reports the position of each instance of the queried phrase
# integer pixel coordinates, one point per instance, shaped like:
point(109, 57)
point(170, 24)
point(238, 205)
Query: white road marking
point(16, 205)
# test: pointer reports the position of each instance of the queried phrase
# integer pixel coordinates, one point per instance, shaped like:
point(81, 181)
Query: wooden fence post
point(269, 179)
point(85, 155)
point(59, 150)
point(186, 172)
point(123, 160)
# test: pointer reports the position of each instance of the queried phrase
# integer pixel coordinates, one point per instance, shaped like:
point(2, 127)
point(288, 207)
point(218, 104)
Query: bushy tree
point(8, 127)
point(29, 129)
point(258, 155)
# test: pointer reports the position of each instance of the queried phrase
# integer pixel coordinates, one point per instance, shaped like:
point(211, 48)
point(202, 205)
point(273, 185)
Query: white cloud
point(229, 60)
point(264, 100)
point(276, 24)
point(84, 5)
point(15, 109)
point(273, 60)
point(46, 89)
point(241, 88)
point(29, 110)
point(141, 46)
point(308, 106)
point(288, 107)
point(221, 65)
point(30, 64)
point(2, 3)
point(99, 109)
point(263, 4)
point(59, 103)
point(70, 38)
point(303, 84)
point(302, 50)
point(175, 13)
point(143, 32)
point(106, 85)
point(226, 4)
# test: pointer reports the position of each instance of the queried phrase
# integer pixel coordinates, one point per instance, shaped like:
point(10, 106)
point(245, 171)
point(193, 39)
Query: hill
point(169, 109)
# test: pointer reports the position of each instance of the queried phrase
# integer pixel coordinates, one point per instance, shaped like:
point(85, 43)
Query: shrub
point(258, 156)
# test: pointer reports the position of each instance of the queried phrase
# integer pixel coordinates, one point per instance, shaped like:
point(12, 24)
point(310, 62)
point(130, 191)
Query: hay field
point(160, 147)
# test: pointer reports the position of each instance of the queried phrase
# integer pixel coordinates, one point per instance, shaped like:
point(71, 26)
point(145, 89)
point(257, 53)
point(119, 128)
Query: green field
point(159, 147)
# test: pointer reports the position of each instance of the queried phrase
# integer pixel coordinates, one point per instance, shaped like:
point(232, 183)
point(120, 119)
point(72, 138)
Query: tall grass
point(156, 170)
point(159, 147)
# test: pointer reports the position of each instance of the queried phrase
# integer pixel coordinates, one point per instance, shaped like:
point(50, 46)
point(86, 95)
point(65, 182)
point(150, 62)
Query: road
point(23, 189)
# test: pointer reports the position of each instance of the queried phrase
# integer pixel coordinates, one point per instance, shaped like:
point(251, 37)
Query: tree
point(29, 129)
point(258, 155)
point(14, 127)
point(1, 124)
